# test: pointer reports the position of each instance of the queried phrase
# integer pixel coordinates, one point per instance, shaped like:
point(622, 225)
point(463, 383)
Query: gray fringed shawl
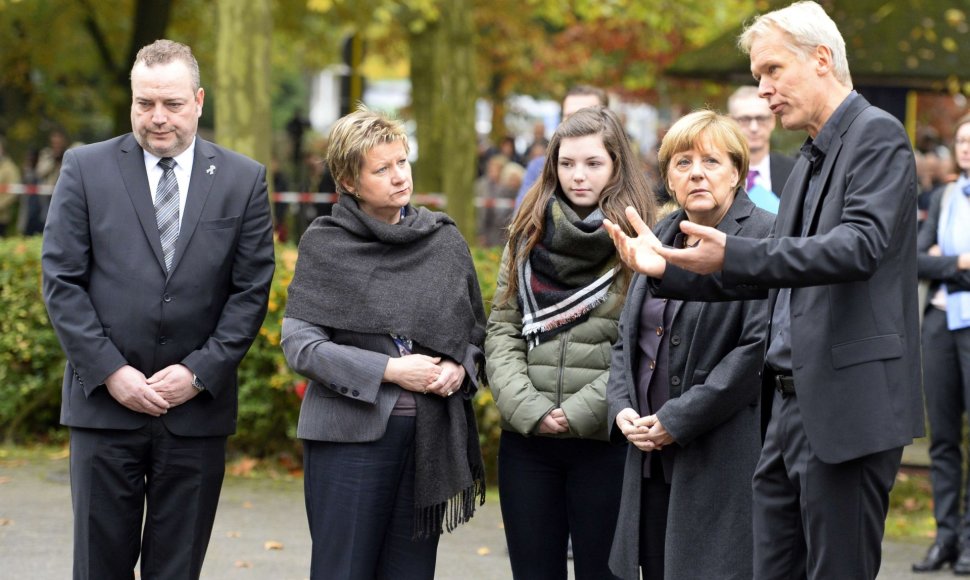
point(415, 279)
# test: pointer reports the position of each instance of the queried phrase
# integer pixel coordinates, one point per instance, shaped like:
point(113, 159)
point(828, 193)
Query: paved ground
point(260, 532)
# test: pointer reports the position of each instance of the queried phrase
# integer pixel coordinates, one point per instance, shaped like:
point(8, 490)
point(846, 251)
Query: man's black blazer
point(854, 308)
point(781, 166)
point(112, 303)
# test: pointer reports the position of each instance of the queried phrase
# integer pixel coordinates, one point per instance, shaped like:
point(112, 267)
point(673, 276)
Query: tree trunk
point(443, 97)
point(148, 25)
point(242, 92)
point(498, 98)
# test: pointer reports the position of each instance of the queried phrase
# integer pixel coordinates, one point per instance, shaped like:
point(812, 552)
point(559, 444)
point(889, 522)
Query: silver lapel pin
point(211, 170)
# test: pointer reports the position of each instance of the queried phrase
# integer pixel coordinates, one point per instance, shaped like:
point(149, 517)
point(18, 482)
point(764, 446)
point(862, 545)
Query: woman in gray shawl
point(385, 317)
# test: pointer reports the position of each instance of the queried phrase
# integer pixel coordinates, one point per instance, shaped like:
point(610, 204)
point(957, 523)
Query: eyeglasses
point(961, 142)
point(761, 120)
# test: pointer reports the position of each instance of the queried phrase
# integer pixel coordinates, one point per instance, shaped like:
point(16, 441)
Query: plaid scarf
point(567, 273)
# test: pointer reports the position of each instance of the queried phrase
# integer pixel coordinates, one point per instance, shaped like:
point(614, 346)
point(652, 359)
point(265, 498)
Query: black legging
point(551, 489)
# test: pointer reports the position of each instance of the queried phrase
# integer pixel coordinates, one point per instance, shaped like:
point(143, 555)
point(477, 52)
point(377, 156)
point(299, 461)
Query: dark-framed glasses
point(760, 120)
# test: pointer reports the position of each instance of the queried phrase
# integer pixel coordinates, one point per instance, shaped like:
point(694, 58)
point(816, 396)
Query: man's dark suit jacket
point(112, 303)
point(781, 166)
point(854, 309)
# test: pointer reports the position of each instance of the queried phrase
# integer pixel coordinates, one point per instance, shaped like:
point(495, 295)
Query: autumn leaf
point(243, 467)
point(62, 454)
point(243, 564)
point(483, 551)
point(272, 545)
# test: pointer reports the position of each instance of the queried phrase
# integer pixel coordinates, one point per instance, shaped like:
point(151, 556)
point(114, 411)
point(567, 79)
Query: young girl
point(559, 296)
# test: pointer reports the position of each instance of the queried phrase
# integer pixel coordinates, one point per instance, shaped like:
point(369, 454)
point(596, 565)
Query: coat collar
point(790, 216)
point(740, 210)
point(204, 171)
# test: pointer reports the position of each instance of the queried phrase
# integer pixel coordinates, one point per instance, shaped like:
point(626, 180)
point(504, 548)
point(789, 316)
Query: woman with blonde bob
point(559, 295)
point(385, 317)
point(685, 382)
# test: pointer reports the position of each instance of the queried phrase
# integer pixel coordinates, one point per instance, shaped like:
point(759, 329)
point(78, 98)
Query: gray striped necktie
point(167, 209)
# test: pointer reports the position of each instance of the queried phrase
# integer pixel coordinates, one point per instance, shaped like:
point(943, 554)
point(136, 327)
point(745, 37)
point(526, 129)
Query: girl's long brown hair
point(627, 187)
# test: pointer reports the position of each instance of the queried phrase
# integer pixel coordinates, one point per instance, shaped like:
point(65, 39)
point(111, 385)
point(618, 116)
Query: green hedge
point(32, 364)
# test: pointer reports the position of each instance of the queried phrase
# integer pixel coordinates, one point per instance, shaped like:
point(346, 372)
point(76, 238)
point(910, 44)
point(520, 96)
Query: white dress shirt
point(764, 174)
point(183, 172)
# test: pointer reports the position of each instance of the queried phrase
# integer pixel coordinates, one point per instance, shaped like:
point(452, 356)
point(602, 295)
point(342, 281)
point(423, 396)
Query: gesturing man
point(843, 360)
point(157, 261)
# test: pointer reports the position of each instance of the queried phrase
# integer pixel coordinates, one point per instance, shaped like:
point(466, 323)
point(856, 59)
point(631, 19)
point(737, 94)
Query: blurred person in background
point(48, 169)
point(28, 211)
point(491, 219)
point(9, 174)
point(578, 97)
point(944, 261)
point(769, 170)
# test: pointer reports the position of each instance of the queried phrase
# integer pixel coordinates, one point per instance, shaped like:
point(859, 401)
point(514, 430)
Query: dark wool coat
point(716, 358)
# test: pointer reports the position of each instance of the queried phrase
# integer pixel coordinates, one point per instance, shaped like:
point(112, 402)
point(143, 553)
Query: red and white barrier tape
point(436, 200)
point(22, 189)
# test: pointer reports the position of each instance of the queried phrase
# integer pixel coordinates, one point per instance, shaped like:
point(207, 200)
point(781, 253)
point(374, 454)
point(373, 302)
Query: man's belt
point(785, 384)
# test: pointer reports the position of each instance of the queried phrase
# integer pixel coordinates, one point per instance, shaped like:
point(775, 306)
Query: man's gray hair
point(806, 26)
point(165, 51)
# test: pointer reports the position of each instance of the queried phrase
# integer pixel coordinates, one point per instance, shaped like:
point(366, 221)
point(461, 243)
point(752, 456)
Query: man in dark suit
point(843, 346)
point(769, 170)
point(157, 261)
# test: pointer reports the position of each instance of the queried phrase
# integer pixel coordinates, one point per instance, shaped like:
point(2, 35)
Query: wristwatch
point(197, 383)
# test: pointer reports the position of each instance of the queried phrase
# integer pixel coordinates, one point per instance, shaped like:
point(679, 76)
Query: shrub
point(32, 363)
point(269, 399)
point(486, 413)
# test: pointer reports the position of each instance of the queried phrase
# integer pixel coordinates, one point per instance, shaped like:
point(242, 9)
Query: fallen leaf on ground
point(4, 479)
point(483, 551)
point(243, 467)
point(6, 522)
point(233, 534)
point(272, 545)
point(248, 505)
point(62, 454)
point(243, 564)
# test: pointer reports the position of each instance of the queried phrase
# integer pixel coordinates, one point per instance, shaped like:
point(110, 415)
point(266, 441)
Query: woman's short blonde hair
point(701, 128)
point(353, 136)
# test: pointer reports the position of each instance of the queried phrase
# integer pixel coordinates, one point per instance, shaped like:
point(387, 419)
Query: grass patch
point(910, 516)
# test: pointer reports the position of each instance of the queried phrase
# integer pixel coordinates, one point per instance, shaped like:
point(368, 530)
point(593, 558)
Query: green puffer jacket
point(569, 371)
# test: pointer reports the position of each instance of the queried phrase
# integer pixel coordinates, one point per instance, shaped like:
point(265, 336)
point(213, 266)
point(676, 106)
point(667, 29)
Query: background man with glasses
point(768, 170)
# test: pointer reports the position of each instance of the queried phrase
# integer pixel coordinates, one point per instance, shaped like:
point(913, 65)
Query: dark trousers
point(551, 489)
point(946, 382)
point(654, 504)
point(360, 507)
point(116, 475)
point(814, 519)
